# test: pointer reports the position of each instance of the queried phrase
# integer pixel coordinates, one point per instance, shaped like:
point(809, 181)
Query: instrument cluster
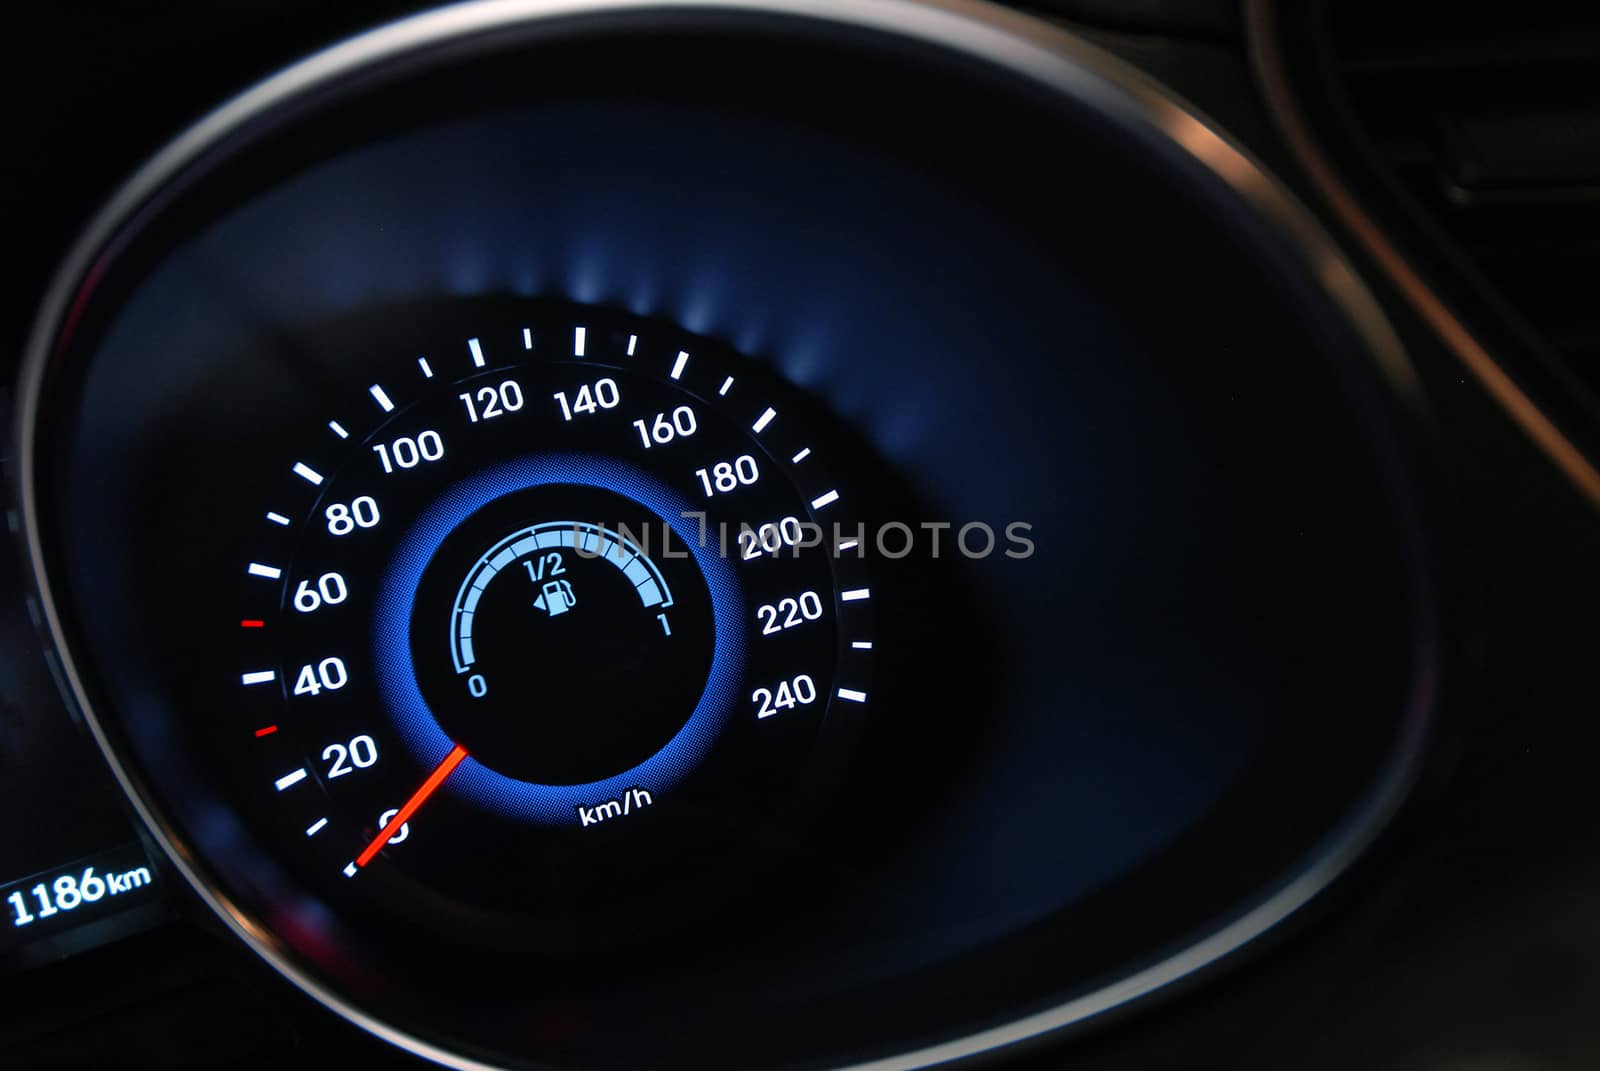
point(744, 533)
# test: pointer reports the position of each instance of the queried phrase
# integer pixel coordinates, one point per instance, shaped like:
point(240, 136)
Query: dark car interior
point(788, 535)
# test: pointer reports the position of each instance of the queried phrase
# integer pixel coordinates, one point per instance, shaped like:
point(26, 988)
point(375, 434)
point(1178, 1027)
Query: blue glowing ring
point(397, 677)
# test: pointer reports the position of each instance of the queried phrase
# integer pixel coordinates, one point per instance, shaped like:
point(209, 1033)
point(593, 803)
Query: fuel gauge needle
point(418, 798)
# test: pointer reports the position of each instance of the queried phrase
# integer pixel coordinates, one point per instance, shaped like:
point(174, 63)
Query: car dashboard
point(867, 534)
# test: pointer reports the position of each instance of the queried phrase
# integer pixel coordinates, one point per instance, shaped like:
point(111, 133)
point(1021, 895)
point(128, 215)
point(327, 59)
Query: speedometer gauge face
point(580, 584)
point(737, 534)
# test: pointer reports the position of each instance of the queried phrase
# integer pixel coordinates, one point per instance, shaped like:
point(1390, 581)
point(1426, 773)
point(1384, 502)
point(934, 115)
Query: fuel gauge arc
point(538, 546)
point(573, 660)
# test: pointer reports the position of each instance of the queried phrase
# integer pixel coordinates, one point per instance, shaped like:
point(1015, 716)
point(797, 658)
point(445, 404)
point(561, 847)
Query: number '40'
point(329, 673)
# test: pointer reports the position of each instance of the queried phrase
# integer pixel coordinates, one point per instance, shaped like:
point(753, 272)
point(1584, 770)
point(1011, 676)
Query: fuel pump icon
point(556, 597)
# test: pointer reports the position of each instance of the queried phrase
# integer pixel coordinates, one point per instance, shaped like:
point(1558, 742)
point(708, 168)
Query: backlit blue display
point(397, 678)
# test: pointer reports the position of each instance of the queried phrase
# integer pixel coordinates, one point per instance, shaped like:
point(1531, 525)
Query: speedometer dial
point(584, 582)
point(955, 597)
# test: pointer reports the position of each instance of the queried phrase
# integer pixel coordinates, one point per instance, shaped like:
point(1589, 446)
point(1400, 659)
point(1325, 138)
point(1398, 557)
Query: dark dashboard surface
point(1464, 936)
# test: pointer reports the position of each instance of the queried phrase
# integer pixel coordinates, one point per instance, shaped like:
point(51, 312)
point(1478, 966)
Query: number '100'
point(407, 452)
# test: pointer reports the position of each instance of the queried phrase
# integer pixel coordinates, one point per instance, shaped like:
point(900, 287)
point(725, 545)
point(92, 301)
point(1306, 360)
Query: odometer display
point(580, 593)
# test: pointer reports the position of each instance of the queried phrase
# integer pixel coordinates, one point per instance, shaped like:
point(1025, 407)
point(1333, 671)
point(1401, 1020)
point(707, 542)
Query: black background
point(1470, 933)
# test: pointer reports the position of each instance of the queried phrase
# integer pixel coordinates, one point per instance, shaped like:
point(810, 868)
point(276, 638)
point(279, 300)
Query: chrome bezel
point(1034, 50)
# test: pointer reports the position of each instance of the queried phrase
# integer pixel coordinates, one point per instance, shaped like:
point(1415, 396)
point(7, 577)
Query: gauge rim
point(419, 727)
point(1047, 56)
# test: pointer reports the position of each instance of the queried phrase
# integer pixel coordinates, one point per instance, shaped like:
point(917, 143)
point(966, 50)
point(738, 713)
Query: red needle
point(418, 798)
